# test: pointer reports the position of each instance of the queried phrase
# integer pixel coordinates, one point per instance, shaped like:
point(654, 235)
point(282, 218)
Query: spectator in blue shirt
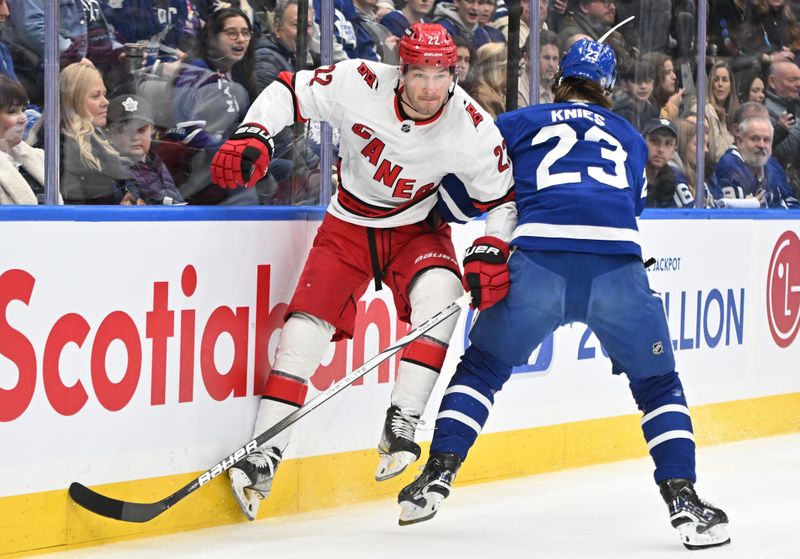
point(25, 37)
point(6, 64)
point(354, 39)
point(747, 176)
point(158, 23)
point(415, 11)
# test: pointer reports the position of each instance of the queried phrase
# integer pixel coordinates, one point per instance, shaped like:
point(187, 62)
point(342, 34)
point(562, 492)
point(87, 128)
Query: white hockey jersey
point(390, 168)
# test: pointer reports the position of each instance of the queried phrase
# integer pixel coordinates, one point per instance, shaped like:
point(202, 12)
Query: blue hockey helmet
point(593, 61)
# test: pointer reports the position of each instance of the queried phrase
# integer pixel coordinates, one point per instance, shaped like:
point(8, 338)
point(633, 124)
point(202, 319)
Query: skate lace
point(404, 423)
point(265, 459)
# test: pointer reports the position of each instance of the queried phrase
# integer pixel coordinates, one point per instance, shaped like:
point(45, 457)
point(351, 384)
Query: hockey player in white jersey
point(402, 130)
point(579, 187)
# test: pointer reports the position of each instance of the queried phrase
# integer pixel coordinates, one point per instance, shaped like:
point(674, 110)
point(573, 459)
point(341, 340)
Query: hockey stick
point(142, 512)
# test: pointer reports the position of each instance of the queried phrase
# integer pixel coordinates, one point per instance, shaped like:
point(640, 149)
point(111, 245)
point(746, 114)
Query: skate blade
point(392, 465)
point(412, 514)
point(247, 499)
point(713, 537)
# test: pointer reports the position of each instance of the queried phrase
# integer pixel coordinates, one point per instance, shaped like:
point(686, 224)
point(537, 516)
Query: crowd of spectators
point(149, 89)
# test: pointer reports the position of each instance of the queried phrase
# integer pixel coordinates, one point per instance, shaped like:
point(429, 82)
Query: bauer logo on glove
point(486, 271)
point(243, 159)
point(485, 252)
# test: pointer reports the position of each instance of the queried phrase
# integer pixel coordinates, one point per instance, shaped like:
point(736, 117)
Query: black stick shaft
point(142, 512)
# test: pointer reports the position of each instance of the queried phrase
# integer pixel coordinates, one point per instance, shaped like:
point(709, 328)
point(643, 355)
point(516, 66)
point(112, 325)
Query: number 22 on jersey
point(567, 139)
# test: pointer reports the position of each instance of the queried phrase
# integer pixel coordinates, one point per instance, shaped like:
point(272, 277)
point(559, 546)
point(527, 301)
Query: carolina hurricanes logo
point(783, 289)
point(368, 75)
point(474, 115)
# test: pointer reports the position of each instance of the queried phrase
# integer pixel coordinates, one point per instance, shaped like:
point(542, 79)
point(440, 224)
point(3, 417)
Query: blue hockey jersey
point(733, 179)
point(579, 178)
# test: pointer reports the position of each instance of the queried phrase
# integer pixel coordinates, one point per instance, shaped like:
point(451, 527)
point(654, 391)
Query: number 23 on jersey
point(567, 140)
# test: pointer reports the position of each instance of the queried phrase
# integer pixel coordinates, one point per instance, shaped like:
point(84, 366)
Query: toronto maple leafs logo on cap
point(130, 105)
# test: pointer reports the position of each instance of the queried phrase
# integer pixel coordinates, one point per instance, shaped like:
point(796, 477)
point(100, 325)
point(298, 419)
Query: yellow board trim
point(50, 521)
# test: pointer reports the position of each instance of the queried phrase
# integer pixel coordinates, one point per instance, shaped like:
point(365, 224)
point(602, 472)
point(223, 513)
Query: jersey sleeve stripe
point(287, 79)
point(585, 232)
point(486, 206)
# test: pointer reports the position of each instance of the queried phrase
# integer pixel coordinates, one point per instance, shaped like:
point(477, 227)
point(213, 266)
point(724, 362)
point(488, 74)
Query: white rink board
point(96, 270)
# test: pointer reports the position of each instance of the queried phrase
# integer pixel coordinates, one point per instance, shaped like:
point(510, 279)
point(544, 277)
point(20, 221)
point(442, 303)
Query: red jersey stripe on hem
point(358, 207)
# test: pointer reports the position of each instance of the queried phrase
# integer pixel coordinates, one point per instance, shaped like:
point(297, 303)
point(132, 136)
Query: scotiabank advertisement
point(131, 350)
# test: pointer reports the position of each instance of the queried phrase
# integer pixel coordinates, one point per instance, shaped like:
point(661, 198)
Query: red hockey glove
point(244, 158)
point(486, 271)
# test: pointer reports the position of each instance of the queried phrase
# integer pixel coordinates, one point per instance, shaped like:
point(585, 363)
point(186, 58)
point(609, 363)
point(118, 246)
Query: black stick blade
point(114, 508)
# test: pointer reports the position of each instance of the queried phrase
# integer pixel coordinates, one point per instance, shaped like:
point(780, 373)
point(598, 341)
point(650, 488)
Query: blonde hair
point(687, 131)
point(76, 121)
point(490, 75)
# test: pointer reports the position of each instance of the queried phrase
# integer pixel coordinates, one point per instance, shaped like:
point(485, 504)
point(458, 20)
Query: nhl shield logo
point(405, 127)
point(658, 348)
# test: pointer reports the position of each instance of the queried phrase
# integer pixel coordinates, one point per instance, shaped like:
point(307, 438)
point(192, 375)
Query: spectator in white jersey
point(402, 132)
point(21, 166)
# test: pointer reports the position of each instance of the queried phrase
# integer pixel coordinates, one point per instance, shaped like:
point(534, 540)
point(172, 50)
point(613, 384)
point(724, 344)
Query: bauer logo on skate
point(161, 352)
point(783, 289)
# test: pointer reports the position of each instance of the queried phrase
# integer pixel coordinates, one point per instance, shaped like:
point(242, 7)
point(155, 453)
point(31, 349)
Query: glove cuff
point(256, 131)
point(487, 249)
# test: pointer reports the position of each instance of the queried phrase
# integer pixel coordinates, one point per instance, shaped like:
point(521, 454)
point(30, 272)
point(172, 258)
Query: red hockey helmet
point(427, 44)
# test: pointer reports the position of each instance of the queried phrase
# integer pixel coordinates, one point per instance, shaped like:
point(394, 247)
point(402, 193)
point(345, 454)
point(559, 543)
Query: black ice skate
point(397, 448)
point(421, 499)
point(251, 479)
point(700, 524)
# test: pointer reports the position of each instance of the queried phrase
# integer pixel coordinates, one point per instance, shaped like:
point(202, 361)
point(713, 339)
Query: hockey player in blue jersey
point(579, 172)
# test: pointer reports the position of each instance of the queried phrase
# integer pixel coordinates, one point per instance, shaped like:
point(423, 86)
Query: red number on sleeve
point(502, 158)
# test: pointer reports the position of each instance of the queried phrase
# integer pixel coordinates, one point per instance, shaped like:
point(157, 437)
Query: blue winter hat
point(591, 60)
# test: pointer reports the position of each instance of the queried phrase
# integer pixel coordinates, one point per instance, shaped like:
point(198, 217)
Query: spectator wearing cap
point(666, 187)
point(747, 176)
point(130, 131)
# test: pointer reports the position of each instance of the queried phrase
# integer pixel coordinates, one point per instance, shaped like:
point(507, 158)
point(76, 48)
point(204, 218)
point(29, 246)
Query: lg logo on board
point(783, 289)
